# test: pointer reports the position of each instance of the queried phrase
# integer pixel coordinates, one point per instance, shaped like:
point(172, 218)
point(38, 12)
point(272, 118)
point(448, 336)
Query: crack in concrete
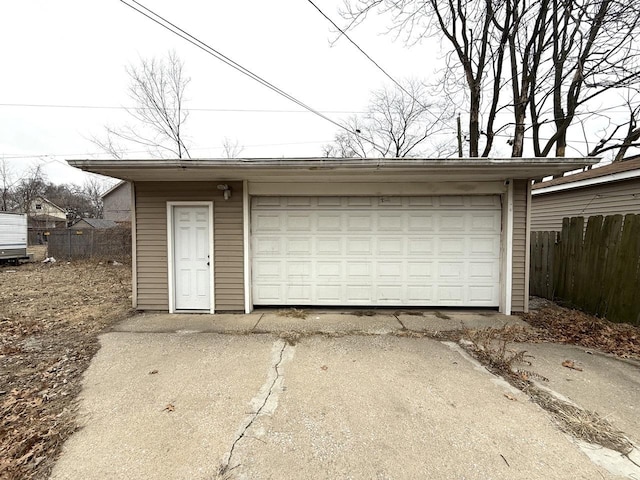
point(249, 421)
point(400, 321)
point(259, 319)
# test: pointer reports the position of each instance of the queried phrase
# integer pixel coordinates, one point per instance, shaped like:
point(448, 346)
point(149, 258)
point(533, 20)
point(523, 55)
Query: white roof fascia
point(612, 177)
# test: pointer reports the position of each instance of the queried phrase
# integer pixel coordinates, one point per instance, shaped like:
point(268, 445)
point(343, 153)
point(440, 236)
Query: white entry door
point(192, 257)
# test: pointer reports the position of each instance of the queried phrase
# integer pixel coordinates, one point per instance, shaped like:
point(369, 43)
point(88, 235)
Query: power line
point(110, 107)
point(129, 152)
point(166, 24)
point(398, 84)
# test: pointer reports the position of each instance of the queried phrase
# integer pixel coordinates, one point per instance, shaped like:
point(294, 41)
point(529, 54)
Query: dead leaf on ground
point(563, 325)
point(153, 372)
point(511, 397)
point(324, 367)
point(169, 408)
point(571, 364)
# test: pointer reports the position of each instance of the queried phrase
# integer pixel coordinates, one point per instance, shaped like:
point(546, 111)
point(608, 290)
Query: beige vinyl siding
point(518, 301)
point(548, 209)
point(151, 241)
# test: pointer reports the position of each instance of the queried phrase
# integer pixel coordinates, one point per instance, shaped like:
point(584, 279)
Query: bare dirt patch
point(50, 318)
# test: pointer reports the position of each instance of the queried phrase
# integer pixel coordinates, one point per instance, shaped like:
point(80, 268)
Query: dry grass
point(50, 318)
point(491, 347)
point(293, 313)
point(582, 424)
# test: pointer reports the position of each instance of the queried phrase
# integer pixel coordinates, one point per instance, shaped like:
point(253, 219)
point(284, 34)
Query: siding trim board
point(507, 256)
point(246, 233)
point(134, 250)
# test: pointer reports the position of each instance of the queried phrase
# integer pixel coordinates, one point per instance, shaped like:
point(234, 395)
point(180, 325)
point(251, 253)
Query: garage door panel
point(359, 223)
point(390, 294)
point(298, 246)
point(268, 222)
point(420, 222)
point(420, 247)
point(298, 293)
point(390, 246)
point(451, 271)
point(268, 245)
point(299, 271)
point(328, 270)
point(360, 246)
point(485, 222)
point(390, 271)
point(329, 245)
point(419, 271)
point(452, 201)
point(329, 294)
point(359, 201)
point(390, 222)
point(357, 271)
point(268, 269)
point(484, 271)
point(420, 251)
point(484, 246)
point(452, 222)
point(268, 294)
point(299, 222)
point(359, 294)
point(420, 295)
point(329, 222)
point(478, 294)
point(451, 246)
point(329, 201)
point(299, 201)
point(452, 294)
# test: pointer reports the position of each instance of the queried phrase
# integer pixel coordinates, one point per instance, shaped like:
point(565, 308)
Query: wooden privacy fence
point(596, 270)
point(108, 243)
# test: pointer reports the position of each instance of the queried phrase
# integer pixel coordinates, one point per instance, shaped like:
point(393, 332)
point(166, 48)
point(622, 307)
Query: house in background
point(233, 234)
point(612, 189)
point(93, 223)
point(43, 214)
point(116, 203)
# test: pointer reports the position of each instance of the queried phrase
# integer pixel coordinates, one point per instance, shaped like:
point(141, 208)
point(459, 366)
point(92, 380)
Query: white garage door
point(376, 251)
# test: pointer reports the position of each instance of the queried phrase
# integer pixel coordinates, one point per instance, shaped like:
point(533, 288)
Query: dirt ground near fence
point(50, 318)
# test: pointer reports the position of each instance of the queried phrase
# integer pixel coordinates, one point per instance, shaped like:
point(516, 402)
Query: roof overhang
point(332, 169)
point(588, 182)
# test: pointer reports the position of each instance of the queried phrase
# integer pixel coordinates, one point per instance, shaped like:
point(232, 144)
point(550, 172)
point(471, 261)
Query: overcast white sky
point(74, 52)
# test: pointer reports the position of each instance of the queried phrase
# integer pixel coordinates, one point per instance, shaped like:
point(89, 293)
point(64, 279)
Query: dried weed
point(293, 313)
point(490, 346)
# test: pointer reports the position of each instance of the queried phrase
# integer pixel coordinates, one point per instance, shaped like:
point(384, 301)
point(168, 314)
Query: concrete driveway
point(207, 397)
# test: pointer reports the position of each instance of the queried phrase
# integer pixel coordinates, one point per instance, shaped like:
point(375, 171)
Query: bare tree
point(157, 89)
point(622, 136)
point(92, 190)
point(7, 185)
point(231, 148)
point(398, 123)
point(31, 186)
point(529, 69)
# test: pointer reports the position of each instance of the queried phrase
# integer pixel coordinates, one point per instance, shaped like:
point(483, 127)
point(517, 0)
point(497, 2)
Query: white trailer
point(13, 237)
